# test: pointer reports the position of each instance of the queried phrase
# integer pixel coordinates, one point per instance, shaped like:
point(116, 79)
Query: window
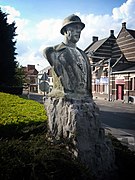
point(132, 83)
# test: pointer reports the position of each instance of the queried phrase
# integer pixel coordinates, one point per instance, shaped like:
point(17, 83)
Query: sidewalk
point(105, 97)
point(125, 138)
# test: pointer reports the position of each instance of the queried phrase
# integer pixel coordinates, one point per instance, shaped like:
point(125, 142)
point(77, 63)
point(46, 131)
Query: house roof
point(30, 71)
point(128, 66)
point(94, 46)
point(33, 72)
point(123, 65)
point(132, 32)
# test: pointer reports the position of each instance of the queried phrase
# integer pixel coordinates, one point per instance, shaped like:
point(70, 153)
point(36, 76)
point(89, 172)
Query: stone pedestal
point(77, 120)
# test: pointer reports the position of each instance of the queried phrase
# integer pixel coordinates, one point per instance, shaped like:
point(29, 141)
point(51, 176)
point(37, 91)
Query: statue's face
point(73, 32)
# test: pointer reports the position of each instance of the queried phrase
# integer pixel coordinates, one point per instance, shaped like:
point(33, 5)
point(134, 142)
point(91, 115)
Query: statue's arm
point(48, 53)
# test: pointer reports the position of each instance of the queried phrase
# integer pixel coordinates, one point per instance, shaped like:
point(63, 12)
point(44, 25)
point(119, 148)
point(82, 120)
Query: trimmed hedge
point(20, 116)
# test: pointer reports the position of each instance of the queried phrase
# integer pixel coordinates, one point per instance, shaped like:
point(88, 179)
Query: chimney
point(124, 25)
point(30, 67)
point(111, 32)
point(94, 38)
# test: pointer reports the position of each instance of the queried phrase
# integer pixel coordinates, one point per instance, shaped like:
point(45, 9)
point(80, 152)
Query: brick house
point(31, 77)
point(113, 65)
point(123, 71)
point(99, 52)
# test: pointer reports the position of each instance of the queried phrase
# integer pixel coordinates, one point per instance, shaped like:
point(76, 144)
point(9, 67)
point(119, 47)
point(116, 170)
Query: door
point(120, 91)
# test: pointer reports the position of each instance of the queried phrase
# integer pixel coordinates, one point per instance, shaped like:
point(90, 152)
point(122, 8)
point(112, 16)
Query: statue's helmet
point(72, 19)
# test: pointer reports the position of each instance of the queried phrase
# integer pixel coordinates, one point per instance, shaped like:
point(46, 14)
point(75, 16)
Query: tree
point(20, 75)
point(8, 63)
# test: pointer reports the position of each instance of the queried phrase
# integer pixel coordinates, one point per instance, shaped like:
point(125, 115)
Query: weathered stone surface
point(77, 120)
point(72, 114)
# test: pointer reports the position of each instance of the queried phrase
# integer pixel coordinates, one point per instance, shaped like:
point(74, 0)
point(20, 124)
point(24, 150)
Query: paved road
point(119, 119)
point(36, 97)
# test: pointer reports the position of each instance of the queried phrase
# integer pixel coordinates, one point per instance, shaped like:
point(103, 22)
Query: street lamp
point(109, 73)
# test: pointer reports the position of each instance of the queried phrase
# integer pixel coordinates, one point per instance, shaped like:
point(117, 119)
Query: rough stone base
point(77, 121)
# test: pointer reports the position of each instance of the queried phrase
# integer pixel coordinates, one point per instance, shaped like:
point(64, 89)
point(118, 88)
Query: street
point(117, 118)
point(117, 115)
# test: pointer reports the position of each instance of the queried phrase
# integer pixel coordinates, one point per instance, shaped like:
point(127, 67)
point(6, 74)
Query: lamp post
point(109, 72)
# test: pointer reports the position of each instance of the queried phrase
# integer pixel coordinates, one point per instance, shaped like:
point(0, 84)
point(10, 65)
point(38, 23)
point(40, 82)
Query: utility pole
point(109, 72)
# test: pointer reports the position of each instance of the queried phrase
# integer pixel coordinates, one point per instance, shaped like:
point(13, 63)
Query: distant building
point(31, 77)
point(113, 65)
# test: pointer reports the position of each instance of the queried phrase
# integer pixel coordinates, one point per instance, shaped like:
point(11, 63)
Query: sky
point(39, 22)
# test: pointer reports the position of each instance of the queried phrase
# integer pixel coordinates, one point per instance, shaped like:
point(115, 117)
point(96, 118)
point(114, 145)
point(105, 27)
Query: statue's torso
point(70, 71)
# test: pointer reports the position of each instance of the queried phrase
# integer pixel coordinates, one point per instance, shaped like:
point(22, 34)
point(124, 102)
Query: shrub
point(20, 117)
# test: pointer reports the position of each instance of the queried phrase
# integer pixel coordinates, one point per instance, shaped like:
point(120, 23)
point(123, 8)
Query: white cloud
point(49, 29)
point(21, 23)
point(99, 25)
point(125, 12)
point(11, 11)
point(33, 57)
point(32, 40)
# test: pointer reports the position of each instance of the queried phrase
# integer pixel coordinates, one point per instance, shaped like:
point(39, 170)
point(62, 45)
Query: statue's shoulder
point(59, 47)
point(50, 53)
point(47, 51)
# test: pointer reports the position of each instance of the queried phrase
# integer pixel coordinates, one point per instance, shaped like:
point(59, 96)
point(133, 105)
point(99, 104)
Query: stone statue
point(72, 113)
point(71, 66)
